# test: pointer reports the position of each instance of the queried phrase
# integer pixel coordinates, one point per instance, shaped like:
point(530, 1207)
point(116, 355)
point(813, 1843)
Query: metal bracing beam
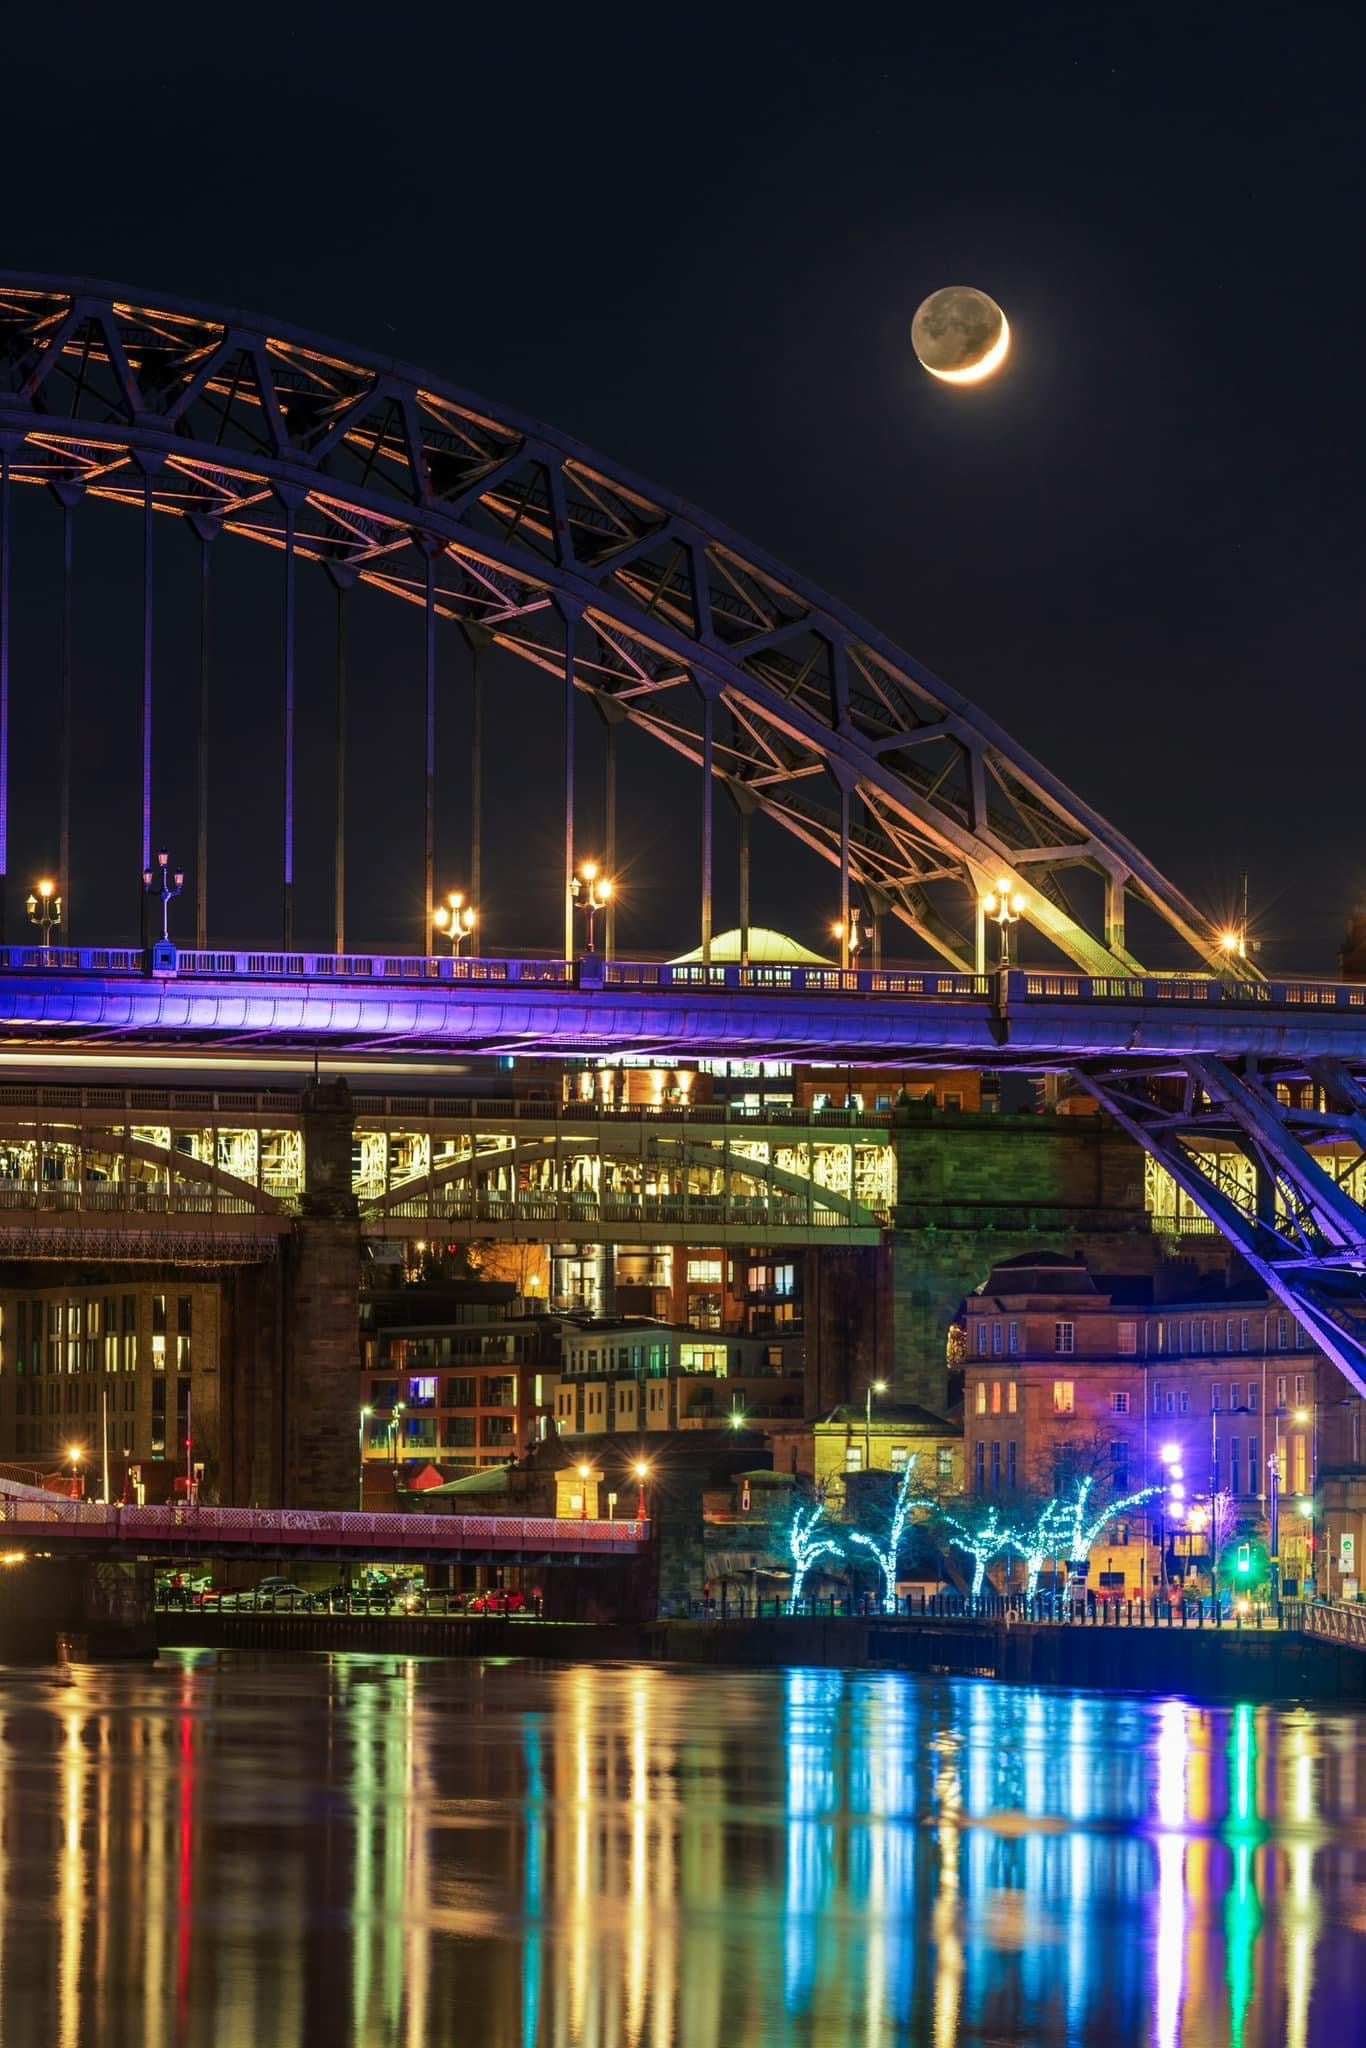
point(1310, 1249)
point(292, 441)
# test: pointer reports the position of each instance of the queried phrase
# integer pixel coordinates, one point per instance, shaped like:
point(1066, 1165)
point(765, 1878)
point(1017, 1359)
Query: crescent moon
point(975, 372)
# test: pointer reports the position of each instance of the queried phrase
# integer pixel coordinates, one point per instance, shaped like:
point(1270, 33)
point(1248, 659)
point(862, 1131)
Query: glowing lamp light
point(1244, 1606)
point(1307, 1510)
point(1171, 1454)
point(1178, 1491)
point(641, 1468)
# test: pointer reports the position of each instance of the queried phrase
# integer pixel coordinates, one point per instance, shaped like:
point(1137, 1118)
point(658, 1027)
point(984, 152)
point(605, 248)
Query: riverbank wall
point(1232, 1664)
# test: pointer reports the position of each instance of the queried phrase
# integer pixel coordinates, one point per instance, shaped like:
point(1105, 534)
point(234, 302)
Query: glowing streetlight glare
point(641, 1468)
point(1171, 1454)
point(585, 1471)
point(1301, 1415)
point(45, 889)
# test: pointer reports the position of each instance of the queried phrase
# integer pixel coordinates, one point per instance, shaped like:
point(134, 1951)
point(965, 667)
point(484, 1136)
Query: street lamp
point(1003, 906)
point(393, 1427)
point(641, 1469)
point(45, 909)
point(360, 1496)
point(585, 1474)
point(853, 946)
point(591, 891)
point(168, 887)
point(456, 919)
point(74, 1453)
point(874, 1387)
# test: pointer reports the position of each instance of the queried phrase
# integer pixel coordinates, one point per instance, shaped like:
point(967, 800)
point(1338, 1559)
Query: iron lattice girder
point(1300, 1230)
point(218, 415)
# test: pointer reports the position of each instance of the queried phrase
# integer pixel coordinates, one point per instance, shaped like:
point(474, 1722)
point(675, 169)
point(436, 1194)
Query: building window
point(1184, 1401)
point(996, 1339)
point(979, 1468)
point(1012, 1398)
point(1064, 1339)
point(1119, 1402)
point(1233, 1396)
point(1014, 1338)
point(1299, 1389)
point(1233, 1466)
point(1157, 1398)
point(853, 1457)
point(1254, 1471)
point(1252, 1397)
point(944, 1463)
point(981, 1340)
point(1215, 1397)
point(1171, 1401)
point(422, 1392)
point(981, 1403)
point(1119, 1467)
point(1281, 1385)
point(1010, 1465)
point(706, 1272)
point(996, 1397)
point(901, 1457)
point(996, 1468)
point(1127, 1339)
point(461, 1394)
point(1062, 1396)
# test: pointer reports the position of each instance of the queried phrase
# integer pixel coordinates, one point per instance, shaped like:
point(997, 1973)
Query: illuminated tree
point(980, 1529)
point(805, 1546)
point(1041, 1535)
point(1080, 1529)
point(888, 1549)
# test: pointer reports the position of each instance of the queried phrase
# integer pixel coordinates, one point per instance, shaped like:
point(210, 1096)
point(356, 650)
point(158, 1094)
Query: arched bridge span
point(620, 590)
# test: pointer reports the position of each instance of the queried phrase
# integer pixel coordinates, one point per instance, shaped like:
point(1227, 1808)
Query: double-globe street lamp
point(592, 892)
point(455, 919)
point(45, 909)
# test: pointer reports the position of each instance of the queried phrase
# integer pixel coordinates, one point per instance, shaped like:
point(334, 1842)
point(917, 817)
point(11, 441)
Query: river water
point(246, 1851)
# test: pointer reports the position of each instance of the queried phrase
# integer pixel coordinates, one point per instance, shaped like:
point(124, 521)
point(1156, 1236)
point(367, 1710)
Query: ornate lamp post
point(360, 1495)
point(168, 886)
point(45, 910)
point(874, 1387)
point(641, 1469)
point(1003, 907)
point(592, 891)
point(852, 946)
point(456, 919)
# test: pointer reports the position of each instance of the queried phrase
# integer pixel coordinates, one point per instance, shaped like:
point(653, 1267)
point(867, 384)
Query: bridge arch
point(617, 588)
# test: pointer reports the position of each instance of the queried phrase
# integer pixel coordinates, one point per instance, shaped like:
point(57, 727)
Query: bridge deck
point(94, 996)
point(86, 1528)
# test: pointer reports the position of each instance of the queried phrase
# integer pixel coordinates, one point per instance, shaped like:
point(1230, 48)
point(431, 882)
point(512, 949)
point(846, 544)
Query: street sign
point(1347, 1558)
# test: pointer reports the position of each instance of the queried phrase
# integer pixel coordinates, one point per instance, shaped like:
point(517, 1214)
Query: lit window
point(996, 1397)
point(901, 1457)
point(981, 1397)
point(1012, 1398)
point(1063, 1394)
point(853, 1457)
point(707, 1272)
point(1064, 1339)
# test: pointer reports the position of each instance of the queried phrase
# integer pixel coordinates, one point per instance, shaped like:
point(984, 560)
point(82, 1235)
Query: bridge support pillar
point(972, 1190)
point(321, 1315)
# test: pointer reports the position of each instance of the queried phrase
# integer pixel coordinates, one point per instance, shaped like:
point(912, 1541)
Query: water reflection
point(377, 1851)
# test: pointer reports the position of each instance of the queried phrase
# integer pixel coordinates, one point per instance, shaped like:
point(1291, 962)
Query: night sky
point(695, 238)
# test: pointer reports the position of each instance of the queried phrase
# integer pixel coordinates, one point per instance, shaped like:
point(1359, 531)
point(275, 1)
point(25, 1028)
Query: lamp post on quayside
point(874, 1387)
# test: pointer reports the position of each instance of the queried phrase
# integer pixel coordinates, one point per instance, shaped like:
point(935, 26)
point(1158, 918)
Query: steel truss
point(1303, 1132)
point(618, 588)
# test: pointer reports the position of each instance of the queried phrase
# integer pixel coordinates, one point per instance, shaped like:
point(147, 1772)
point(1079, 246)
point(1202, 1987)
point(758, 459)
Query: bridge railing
point(224, 1529)
point(594, 974)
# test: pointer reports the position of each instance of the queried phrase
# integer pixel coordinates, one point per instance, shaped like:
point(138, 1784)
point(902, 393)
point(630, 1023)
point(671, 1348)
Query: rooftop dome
point(766, 949)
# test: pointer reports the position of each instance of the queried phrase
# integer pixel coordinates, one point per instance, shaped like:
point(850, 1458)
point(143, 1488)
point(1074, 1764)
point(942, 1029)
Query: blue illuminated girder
point(1302, 1232)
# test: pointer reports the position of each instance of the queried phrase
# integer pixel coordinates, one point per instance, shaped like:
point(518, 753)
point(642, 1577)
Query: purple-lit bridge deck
point(74, 1528)
point(91, 998)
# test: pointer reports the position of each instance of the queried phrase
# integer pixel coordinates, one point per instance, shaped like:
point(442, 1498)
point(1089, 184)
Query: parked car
point(282, 1592)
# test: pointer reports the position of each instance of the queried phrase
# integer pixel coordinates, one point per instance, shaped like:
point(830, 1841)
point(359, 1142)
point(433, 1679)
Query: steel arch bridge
point(783, 699)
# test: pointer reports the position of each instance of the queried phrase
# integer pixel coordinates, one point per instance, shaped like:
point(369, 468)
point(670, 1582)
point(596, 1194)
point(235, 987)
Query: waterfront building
point(1068, 1376)
point(884, 1436)
point(127, 1364)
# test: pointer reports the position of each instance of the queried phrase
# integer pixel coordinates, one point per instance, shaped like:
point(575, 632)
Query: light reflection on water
point(391, 1853)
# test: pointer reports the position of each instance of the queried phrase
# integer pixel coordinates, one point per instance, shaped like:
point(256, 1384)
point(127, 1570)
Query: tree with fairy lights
point(808, 1542)
point(983, 1531)
point(1081, 1523)
point(886, 1544)
point(1040, 1532)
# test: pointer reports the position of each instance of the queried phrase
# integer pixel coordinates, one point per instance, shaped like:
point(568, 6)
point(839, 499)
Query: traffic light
point(1245, 1557)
